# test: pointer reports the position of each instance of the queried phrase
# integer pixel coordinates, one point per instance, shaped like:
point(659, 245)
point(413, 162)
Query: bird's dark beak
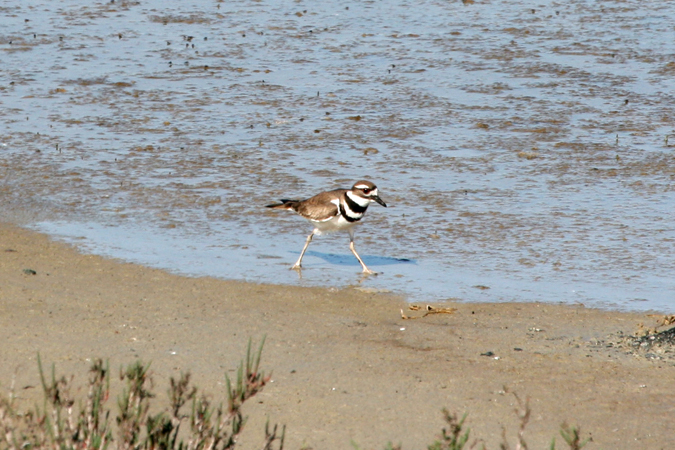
point(379, 200)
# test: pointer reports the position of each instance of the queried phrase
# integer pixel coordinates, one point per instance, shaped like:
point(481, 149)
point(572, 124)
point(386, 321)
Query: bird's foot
point(297, 267)
point(367, 271)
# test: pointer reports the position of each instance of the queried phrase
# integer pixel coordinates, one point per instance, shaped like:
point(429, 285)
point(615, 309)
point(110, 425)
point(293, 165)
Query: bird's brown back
point(318, 207)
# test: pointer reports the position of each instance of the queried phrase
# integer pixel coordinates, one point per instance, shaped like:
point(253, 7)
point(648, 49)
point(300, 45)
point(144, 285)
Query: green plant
point(59, 425)
point(452, 438)
point(572, 436)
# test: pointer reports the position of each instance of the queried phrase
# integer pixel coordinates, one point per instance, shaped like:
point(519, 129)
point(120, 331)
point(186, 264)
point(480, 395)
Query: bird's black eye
point(366, 190)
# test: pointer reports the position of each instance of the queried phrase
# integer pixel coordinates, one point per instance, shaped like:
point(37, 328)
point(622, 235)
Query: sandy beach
point(346, 367)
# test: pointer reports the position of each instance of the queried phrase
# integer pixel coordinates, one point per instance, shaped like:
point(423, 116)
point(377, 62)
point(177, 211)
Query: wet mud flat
point(526, 151)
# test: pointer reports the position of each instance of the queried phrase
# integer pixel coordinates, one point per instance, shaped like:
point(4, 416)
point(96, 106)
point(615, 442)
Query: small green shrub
point(59, 425)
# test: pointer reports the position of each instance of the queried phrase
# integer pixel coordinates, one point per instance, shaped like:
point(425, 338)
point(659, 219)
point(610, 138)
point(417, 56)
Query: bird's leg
point(366, 270)
point(298, 264)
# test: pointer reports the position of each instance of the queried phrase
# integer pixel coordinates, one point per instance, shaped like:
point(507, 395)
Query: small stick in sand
point(429, 310)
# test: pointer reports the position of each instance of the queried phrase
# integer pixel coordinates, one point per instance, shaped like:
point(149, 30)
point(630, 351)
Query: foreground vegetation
point(60, 425)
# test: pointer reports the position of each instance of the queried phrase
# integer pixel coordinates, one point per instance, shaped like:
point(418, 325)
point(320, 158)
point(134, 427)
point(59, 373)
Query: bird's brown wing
point(319, 207)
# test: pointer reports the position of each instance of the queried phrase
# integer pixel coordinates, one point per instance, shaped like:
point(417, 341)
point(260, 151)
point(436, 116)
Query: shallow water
point(523, 148)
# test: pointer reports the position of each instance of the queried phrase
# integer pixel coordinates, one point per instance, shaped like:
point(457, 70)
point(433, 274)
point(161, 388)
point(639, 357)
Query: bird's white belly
point(337, 223)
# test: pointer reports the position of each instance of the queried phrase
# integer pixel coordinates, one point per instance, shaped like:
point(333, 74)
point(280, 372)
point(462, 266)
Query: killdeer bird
point(336, 210)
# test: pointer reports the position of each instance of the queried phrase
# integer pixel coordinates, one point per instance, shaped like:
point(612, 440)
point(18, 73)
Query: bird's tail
point(286, 204)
